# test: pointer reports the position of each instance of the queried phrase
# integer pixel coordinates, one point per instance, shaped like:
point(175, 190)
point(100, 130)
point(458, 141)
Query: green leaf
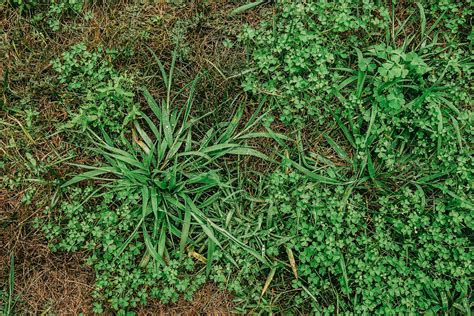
point(167, 128)
point(151, 103)
point(314, 176)
point(344, 273)
point(160, 65)
point(151, 248)
point(341, 153)
point(370, 166)
point(423, 20)
point(185, 229)
point(198, 216)
point(88, 175)
point(211, 247)
point(246, 7)
point(246, 151)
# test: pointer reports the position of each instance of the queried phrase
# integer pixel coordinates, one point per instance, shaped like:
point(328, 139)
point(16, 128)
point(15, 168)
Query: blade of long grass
point(206, 139)
point(338, 149)
point(196, 214)
point(373, 115)
point(189, 103)
point(189, 142)
point(361, 76)
point(211, 247)
point(162, 150)
point(314, 176)
point(154, 199)
point(249, 249)
point(194, 153)
point(464, 202)
point(267, 134)
point(344, 273)
point(458, 132)
point(440, 129)
point(185, 229)
point(246, 151)
point(152, 103)
point(170, 79)
point(88, 175)
point(292, 260)
point(174, 148)
point(145, 198)
point(218, 147)
point(160, 65)
point(423, 20)
point(204, 178)
point(11, 286)
point(144, 136)
point(232, 126)
point(370, 165)
point(162, 241)
point(150, 247)
point(268, 280)
point(245, 7)
point(127, 160)
point(126, 155)
point(167, 128)
point(346, 132)
point(130, 238)
point(210, 200)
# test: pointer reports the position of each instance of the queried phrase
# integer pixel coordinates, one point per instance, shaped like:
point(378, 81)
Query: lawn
point(236, 157)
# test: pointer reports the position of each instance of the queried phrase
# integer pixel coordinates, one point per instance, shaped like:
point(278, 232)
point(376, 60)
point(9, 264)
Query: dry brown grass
point(208, 300)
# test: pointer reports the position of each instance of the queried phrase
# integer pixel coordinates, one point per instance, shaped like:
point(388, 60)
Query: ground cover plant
point(288, 157)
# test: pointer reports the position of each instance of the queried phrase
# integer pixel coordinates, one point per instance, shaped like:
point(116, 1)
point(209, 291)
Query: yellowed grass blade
point(269, 280)
point(292, 261)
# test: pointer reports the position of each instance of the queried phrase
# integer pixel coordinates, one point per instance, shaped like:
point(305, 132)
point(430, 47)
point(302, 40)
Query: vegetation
point(317, 158)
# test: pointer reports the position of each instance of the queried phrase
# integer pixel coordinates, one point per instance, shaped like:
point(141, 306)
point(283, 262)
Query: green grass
point(174, 176)
point(8, 297)
point(328, 170)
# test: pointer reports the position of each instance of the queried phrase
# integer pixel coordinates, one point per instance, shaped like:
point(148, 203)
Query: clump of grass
point(155, 203)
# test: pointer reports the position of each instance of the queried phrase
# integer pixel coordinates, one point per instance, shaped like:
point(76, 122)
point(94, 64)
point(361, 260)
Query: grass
point(8, 298)
point(262, 157)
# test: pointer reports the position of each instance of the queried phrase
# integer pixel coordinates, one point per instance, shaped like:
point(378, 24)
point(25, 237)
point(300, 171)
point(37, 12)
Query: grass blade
point(249, 152)
point(245, 7)
point(341, 153)
point(151, 248)
point(160, 65)
point(88, 175)
point(185, 229)
point(423, 20)
point(151, 103)
point(269, 280)
point(211, 247)
point(11, 287)
point(291, 258)
point(196, 214)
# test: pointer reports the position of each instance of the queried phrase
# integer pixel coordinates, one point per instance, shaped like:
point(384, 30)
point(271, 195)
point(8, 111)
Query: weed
point(49, 11)
point(105, 96)
point(401, 251)
point(7, 296)
point(180, 34)
point(296, 54)
point(153, 205)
